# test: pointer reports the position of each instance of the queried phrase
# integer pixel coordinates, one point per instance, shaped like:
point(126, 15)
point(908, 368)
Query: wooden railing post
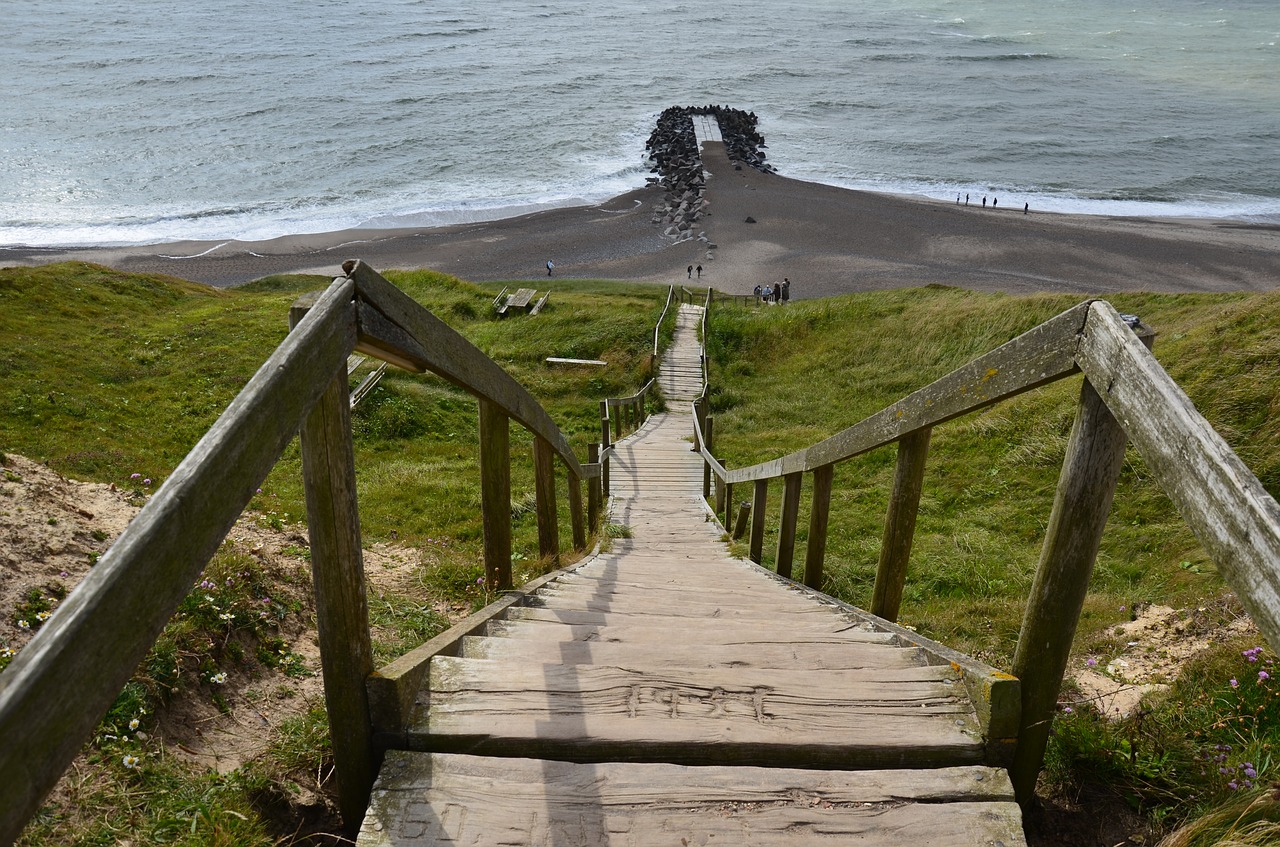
point(495, 494)
point(594, 489)
point(605, 441)
point(576, 518)
point(787, 524)
point(1095, 454)
point(342, 611)
point(740, 525)
point(728, 501)
point(759, 496)
point(816, 550)
point(708, 436)
point(617, 422)
point(544, 489)
point(900, 525)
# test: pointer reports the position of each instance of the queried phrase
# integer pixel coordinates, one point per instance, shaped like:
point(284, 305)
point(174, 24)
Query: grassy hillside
point(112, 377)
point(784, 378)
point(106, 375)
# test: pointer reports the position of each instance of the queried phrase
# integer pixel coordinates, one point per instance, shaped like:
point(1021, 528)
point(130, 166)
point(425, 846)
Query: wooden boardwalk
point(664, 693)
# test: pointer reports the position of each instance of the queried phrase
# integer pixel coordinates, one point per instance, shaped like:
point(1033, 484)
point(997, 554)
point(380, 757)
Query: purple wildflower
point(1263, 675)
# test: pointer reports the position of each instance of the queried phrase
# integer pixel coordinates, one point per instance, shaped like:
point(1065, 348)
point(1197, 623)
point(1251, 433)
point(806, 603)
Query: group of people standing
point(774, 292)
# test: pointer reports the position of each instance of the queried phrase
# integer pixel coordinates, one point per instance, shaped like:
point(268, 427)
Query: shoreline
point(825, 238)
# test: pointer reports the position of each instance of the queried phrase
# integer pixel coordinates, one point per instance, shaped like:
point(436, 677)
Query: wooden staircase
point(665, 693)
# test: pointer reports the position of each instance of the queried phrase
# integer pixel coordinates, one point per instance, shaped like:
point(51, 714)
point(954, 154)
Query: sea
point(148, 121)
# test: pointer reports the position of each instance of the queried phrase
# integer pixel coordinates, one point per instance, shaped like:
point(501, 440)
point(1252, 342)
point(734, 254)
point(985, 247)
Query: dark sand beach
point(827, 240)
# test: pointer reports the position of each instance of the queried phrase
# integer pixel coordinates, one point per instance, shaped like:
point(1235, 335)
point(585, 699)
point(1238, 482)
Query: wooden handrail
point(54, 692)
point(58, 687)
point(1127, 395)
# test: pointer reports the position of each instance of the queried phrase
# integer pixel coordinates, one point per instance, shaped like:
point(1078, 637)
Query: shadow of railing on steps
point(58, 687)
point(1126, 396)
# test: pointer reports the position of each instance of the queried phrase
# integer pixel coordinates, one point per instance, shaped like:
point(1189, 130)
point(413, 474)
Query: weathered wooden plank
point(842, 718)
point(1090, 470)
point(450, 799)
point(1038, 356)
point(900, 524)
point(520, 300)
point(684, 618)
point(442, 350)
point(103, 629)
point(790, 512)
point(342, 611)
point(558, 360)
point(706, 632)
point(1222, 501)
point(495, 494)
point(577, 520)
point(544, 489)
point(846, 655)
point(760, 495)
point(394, 687)
point(816, 550)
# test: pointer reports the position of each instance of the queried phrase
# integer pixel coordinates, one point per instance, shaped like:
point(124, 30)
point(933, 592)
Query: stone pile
point(673, 151)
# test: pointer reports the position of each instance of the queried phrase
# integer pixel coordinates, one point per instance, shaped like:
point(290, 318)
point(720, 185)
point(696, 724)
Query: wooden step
point(846, 719)
point(437, 799)
point(690, 630)
point(759, 654)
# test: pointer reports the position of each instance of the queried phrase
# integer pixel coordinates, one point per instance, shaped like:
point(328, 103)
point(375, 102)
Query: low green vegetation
point(113, 377)
point(987, 496)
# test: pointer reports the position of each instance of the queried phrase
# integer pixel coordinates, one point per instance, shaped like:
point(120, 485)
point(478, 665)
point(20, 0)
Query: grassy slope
point(107, 375)
point(110, 374)
point(988, 492)
point(131, 370)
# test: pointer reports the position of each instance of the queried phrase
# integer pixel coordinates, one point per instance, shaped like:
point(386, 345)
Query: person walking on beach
point(966, 199)
point(984, 201)
point(691, 272)
point(768, 294)
point(550, 267)
point(699, 271)
point(994, 202)
point(758, 292)
point(1026, 207)
point(786, 289)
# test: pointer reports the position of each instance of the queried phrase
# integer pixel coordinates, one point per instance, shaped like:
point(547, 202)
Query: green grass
point(989, 488)
point(113, 377)
point(110, 374)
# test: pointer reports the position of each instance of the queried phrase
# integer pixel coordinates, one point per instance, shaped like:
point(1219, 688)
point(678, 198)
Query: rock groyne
point(674, 156)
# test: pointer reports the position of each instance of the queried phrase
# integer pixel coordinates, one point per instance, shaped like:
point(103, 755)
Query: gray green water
point(151, 120)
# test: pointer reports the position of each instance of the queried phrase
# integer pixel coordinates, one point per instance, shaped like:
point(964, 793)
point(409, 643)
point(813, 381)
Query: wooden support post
point(576, 519)
point(721, 496)
point(342, 611)
point(593, 490)
point(708, 432)
point(1095, 454)
point(759, 496)
point(544, 489)
point(816, 550)
point(900, 525)
point(605, 441)
point(740, 526)
point(617, 414)
point(728, 504)
point(787, 524)
point(495, 495)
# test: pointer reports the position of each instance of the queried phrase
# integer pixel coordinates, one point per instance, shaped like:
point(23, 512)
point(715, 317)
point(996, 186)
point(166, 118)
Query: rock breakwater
point(675, 158)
